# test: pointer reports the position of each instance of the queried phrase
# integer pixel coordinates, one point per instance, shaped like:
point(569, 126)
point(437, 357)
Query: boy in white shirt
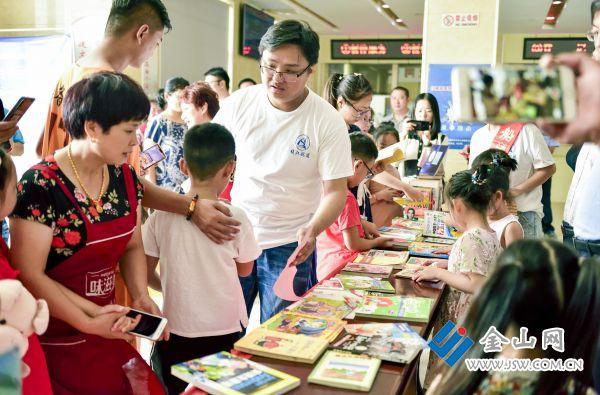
point(203, 298)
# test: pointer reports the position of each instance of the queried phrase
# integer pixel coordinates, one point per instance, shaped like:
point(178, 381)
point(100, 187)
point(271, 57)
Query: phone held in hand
point(151, 156)
point(420, 125)
point(513, 94)
point(150, 326)
point(19, 109)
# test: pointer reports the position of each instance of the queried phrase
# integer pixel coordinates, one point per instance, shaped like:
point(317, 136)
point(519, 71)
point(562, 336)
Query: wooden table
point(392, 378)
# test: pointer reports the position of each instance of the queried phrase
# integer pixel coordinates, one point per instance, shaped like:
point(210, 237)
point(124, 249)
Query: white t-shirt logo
point(302, 142)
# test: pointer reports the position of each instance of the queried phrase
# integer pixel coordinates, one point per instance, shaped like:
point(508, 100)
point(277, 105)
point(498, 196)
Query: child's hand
point(413, 193)
point(443, 250)
point(426, 274)
point(384, 242)
point(370, 229)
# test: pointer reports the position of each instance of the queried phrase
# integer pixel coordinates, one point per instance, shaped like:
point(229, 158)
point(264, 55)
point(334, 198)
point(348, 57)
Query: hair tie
point(340, 77)
point(357, 74)
point(477, 178)
point(497, 159)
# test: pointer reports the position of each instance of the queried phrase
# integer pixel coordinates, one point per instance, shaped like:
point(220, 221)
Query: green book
point(345, 370)
point(365, 283)
point(405, 308)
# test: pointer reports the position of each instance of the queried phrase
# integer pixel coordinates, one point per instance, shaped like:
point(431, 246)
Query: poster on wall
point(439, 84)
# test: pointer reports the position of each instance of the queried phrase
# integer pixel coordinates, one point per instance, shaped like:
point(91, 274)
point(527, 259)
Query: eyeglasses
point(592, 35)
point(370, 173)
point(287, 76)
point(359, 114)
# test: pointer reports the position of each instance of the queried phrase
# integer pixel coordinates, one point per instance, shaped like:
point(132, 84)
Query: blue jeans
point(532, 224)
point(567, 231)
point(266, 270)
point(587, 248)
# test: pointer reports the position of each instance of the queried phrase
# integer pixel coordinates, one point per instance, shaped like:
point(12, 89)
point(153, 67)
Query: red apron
point(87, 364)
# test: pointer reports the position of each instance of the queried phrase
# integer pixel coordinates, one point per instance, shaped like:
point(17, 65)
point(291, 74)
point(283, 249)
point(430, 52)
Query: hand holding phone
point(17, 112)
point(151, 156)
point(150, 326)
point(419, 125)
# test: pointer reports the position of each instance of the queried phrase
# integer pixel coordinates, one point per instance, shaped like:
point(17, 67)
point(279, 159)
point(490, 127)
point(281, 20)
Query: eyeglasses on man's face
point(287, 76)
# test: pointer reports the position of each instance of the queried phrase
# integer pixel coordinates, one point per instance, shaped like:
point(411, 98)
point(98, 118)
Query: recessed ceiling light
point(550, 18)
point(557, 2)
point(385, 6)
point(399, 20)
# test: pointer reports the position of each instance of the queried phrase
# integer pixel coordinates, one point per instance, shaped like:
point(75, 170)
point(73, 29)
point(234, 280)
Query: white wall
point(198, 40)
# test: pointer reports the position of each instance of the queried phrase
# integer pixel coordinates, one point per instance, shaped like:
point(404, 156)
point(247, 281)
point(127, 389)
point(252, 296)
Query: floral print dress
point(41, 200)
point(169, 136)
point(474, 252)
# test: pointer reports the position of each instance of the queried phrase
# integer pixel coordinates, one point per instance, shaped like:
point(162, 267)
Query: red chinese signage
point(376, 49)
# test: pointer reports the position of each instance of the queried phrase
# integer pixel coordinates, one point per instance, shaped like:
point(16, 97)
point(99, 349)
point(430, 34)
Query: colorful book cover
point(366, 283)
point(427, 250)
point(415, 223)
point(416, 209)
point(382, 258)
point(438, 240)
point(296, 324)
point(399, 233)
point(436, 227)
point(326, 303)
point(413, 260)
point(395, 342)
point(345, 370)
point(409, 271)
point(331, 283)
point(434, 160)
point(364, 269)
point(280, 345)
point(223, 373)
point(409, 308)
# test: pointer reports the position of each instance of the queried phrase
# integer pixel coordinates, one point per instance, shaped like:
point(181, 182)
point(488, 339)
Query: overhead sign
point(535, 47)
point(376, 49)
point(460, 19)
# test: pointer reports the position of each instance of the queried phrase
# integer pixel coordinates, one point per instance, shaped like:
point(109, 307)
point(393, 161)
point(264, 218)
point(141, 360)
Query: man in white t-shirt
point(534, 166)
point(293, 157)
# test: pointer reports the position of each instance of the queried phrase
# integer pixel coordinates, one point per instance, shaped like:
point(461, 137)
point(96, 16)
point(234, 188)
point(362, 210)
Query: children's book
point(414, 261)
point(332, 283)
point(364, 269)
point(223, 373)
point(391, 154)
point(427, 250)
point(366, 283)
point(407, 308)
point(395, 342)
point(345, 370)
point(437, 240)
point(431, 167)
point(436, 186)
point(416, 208)
point(399, 233)
point(327, 303)
point(296, 324)
point(280, 345)
point(394, 259)
point(436, 227)
point(415, 223)
point(409, 271)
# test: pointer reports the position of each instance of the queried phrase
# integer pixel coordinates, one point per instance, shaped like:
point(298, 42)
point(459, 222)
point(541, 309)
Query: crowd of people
point(89, 226)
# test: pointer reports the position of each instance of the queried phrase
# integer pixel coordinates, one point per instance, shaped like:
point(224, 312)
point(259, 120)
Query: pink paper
point(284, 286)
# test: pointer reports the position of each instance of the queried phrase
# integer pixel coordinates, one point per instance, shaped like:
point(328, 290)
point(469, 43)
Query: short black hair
point(107, 98)
point(127, 14)
point(401, 88)
point(292, 32)
point(206, 149)
point(246, 80)
point(363, 147)
point(175, 84)
point(595, 7)
point(386, 128)
point(219, 72)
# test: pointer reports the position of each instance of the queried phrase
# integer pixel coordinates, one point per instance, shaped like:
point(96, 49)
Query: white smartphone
point(513, 94)
point(150, 326)
point(151, 156)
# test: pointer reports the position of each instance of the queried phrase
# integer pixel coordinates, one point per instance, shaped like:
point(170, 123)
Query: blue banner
point(440, 85)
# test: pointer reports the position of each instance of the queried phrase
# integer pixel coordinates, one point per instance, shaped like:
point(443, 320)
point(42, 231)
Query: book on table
point(331, 283)
point(327, 303)
point(298, 324)
point(433, 163)
point(414, 224)
point(427, 250)
point(226, 374)
point(280, 345)
point(435, 226)
point(438, 240)
point(437, 189)
point(394, 342)
point(364, 269)
point(366, 283)
point(400, 233)
point(416, 208)
point(409, 271)
point(414, 261)
point(396, 307)
point(394, 259)
point(345, 370)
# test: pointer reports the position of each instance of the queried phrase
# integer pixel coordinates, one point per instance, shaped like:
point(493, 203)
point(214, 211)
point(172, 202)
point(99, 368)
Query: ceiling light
point(550, 18)
point(385, 5)
point(399, 20)
point(557, 2)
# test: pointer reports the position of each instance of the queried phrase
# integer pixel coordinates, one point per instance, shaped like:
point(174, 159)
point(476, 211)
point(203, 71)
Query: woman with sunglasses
point(351, 95)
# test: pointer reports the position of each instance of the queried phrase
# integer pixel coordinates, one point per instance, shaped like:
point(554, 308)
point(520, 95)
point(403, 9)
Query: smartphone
point(420, 125)
point(513, 94)
point(151, 156)
point(17, 112)
point(150, 326)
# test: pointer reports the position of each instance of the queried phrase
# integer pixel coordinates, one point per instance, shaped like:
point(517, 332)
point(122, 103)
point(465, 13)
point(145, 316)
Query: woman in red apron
point(77, 217)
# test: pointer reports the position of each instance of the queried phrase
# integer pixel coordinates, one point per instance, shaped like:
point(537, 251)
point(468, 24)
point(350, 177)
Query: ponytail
point(473, 187)
point(351, 87)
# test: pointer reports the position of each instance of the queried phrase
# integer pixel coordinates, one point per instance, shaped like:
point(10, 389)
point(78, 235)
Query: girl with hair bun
point(473, 254)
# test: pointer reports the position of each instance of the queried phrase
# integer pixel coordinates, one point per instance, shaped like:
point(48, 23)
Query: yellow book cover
point(299, 324)
point(279, 345)
point(382, 257)
point(345, 370)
